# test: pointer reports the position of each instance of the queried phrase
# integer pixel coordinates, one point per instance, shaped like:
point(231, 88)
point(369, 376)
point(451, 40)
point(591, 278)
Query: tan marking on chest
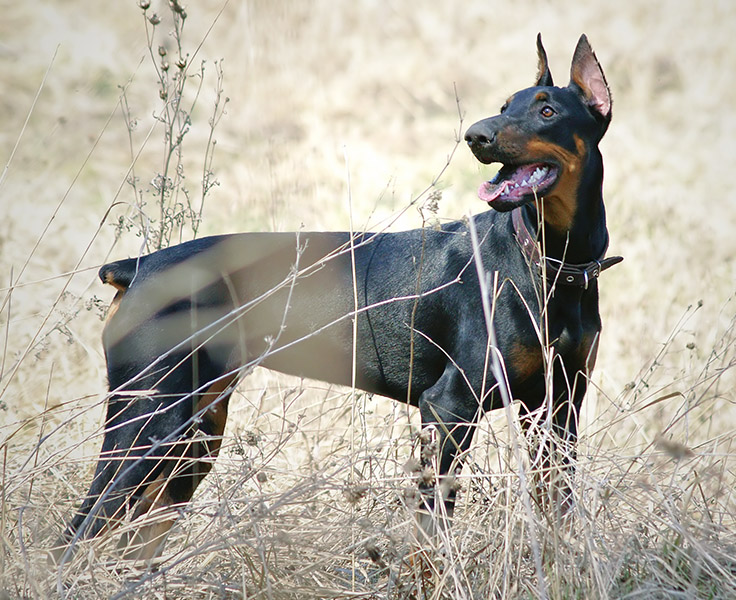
point(524, 361)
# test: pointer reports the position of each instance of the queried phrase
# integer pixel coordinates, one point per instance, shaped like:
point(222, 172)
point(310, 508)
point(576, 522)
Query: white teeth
point(530, 182)
point(538, 174)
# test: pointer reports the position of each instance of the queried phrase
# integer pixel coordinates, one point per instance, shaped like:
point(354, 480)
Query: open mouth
point(515, 185)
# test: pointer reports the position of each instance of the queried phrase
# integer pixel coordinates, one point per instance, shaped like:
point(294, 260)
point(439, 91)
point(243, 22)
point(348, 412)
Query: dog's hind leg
point(161, 500)
point(161, 437)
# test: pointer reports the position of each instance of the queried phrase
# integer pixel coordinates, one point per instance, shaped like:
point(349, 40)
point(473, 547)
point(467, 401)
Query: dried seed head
point(251, 438)
point(433, 201)
point(238, 450)
point(154, 19)
point(675, 449)
point(412, 466)
point(451, 483)
point(181, 63)
point(428, 451)
point(426, 477)
point(261, 477)
point(355, 493)
point(144, 4)
point(162, 50)
point(373, 553)
point(425, 435)
point(411, 496)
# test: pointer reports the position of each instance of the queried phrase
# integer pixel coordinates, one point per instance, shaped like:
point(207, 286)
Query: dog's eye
point(547, 111)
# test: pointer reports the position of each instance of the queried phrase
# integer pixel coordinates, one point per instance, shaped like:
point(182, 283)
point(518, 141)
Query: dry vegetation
point(313, 87)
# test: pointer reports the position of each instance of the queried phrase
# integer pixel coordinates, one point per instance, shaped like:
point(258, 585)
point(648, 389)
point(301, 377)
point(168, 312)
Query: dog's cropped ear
point(544, 77)
point(586, 75)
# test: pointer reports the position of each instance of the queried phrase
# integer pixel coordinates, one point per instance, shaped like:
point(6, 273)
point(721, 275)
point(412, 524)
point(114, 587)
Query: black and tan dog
point(188, 321)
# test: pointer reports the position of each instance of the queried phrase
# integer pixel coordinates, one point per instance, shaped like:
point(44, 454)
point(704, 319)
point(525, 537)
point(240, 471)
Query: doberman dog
point(188, 322)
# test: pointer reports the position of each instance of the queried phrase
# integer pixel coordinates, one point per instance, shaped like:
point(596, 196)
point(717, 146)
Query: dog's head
point(544, 133)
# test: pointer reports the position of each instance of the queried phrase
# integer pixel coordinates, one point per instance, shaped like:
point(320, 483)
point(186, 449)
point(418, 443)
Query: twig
point(499, 373)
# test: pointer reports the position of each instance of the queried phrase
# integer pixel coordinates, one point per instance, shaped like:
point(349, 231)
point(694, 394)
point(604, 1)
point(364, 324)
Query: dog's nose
point(482, 139)
point(480, 136)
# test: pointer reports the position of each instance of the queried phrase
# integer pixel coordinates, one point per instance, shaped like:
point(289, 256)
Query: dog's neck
point(558, 272)
point(586, 237)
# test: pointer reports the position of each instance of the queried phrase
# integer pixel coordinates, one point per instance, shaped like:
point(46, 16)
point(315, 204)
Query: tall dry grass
point(310, 84)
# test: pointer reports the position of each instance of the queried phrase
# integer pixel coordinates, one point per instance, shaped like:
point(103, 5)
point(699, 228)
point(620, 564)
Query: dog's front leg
point(449, 411)
point(552, 434)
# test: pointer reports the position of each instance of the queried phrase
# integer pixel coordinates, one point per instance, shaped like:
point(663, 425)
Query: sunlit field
point(330, 116)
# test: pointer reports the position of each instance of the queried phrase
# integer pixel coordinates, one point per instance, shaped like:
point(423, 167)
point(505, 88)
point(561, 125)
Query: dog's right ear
point(586, 76)
point(544, 77)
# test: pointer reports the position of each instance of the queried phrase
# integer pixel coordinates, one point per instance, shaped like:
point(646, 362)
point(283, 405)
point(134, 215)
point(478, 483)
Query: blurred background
point(350, 110)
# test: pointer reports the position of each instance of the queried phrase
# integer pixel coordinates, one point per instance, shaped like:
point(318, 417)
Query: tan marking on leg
point(114, 305)
point(180, 478)
point(145, 541)
point(110, 280)
point(214, 404)
point(588, 352)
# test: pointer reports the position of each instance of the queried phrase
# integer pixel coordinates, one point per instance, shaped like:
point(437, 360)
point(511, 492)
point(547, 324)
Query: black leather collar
point(557, 271)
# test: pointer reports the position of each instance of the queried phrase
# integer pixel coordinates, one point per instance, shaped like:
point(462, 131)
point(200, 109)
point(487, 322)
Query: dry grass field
point(340, 111)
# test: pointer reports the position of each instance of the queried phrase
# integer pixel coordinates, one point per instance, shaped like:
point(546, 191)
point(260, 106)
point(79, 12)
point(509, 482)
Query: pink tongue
point(488, 191)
